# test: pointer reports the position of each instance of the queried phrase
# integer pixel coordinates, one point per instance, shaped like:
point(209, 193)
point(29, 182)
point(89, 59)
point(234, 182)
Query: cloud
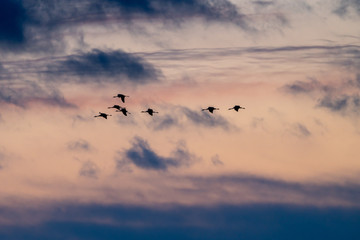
point(345, 104)
point(37, 26)
point(337, 97)
point(79, 145)
point(25, 92)
point(304, 87)
point(2, 157)
point(252, 188)
point(257, 221)
point(181, 116)
point(164, 122)
point(346, 6)
point(13, 17)
point(302, 130)
point(142, 156)
point(263, 3)
point(219, 10)
point(215, 160)
point(201, 118)
point(103, 66)
point(89, 169)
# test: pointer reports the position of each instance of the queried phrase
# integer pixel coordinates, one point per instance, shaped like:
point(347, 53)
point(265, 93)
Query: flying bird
point(104, 115)
point(124, 111)
point(149, 111)
point(236, 108)
point(116, 106)
point(121, 96)
point(210, 109)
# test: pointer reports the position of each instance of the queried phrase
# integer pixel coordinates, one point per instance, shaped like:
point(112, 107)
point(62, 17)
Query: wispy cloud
point(202, 118)
point(215, 160)
point(89, 169)
point(79, 145)
point(300, 130)
point(181, 115)
point(142, 156)
point(25, 92)
point(304, 87)
point(275, 190)
point(338, 97)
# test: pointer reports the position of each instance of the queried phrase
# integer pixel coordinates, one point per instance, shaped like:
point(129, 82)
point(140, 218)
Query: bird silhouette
point(210, 109)
point(116, 106)
point(149, 111)
point(124, 111)
point(236, 108)
point(104, 115)
point(121, 96)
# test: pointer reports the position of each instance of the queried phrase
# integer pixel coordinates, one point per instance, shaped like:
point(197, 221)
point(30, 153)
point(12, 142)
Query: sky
point(286, 166)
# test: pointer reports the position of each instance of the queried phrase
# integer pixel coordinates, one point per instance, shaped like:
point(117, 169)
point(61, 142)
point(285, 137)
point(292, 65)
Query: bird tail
point(231, 108)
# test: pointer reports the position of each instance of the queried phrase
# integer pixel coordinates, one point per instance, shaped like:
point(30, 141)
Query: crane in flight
point(104, 115)
point(236, 108)
point(116, 106)
point(121, 96)
point(124, 111)
point(149, 111)
point(210, 109)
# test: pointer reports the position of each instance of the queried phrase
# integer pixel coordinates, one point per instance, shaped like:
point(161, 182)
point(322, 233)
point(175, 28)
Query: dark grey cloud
point(36, 25)
point(95, 66)
point(345, 104)
point(263, 3)
point(13, 17)
point(141, 155)
point(21, 28)
point(89, 169)
point(23, 93)
point(102, 66)
point(79, 145)
point(345, 6)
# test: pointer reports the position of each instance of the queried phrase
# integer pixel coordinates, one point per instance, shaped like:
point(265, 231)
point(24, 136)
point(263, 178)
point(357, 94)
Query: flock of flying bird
point(149, 110)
